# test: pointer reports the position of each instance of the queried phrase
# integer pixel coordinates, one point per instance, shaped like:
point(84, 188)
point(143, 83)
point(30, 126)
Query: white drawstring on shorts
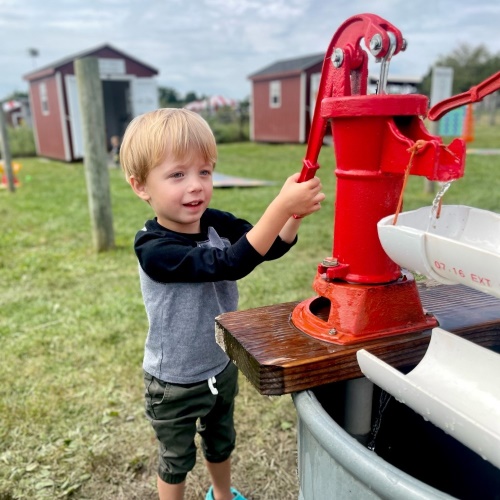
point(211, 382)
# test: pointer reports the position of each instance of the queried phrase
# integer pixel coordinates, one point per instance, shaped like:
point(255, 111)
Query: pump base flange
point(347, 313)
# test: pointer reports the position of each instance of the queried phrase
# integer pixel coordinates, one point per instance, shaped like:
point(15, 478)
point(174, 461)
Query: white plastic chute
point(455, 386)
point(461, 246)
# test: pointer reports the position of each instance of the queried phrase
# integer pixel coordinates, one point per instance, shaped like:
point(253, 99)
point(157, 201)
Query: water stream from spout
point(383, 401)
point(436, 204)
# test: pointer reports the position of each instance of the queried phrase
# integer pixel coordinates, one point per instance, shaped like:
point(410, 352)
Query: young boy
point(190, 257)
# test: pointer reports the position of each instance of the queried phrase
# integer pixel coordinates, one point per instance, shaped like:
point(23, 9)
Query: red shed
point(283, 97)
point(129, 89)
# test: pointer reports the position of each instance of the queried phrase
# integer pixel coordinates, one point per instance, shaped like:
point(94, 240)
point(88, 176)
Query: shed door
point(75, 120)
point(144, 95)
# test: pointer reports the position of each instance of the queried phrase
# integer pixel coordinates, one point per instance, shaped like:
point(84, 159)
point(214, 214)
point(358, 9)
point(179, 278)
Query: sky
point(211, 46)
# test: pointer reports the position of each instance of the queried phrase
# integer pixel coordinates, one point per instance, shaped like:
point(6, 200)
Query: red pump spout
point(378, 141)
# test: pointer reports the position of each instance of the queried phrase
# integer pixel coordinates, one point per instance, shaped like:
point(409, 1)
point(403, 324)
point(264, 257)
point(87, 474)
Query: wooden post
point(95, 156)
point(7, 160)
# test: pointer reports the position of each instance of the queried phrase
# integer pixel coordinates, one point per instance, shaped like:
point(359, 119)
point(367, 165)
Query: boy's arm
point(290, 229)
point(294, 198)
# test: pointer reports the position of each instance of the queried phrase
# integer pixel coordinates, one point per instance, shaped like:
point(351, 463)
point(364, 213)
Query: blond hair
point(175, 132)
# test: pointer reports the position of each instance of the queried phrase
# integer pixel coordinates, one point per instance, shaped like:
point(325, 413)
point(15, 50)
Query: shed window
point(275, 94)
point(44, 99)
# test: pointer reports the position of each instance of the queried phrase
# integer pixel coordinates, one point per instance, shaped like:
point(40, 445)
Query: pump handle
point(474, 94)
point(345, 71)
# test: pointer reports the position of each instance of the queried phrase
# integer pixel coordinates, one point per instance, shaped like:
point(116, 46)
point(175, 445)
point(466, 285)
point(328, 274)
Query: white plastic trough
point(462, 246)
point(455, 386)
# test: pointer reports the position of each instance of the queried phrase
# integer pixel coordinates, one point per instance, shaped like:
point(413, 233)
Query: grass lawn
point(73, 326)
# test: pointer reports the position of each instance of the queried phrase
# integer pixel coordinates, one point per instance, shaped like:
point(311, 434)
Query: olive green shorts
point(178, 411)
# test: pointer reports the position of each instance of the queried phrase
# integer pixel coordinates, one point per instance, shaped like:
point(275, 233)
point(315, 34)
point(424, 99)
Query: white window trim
point(275, 94)
point(44, 98)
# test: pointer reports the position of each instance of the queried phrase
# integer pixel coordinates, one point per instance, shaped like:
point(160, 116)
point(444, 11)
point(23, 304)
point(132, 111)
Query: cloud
point(211, 46)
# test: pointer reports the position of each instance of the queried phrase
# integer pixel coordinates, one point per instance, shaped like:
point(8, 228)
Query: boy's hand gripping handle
point(308, 172)
point(345, 72)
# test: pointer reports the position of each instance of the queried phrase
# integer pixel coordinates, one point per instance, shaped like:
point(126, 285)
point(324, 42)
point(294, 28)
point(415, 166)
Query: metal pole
point(358, 408)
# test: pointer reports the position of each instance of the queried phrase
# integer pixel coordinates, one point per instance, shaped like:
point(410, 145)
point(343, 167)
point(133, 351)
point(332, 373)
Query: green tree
point(471, 65)
point(16, 95)
point(190, 97)
point(168, 97)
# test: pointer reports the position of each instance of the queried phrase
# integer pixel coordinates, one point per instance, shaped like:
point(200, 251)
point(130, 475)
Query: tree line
point(471, 65)
point(171, 98)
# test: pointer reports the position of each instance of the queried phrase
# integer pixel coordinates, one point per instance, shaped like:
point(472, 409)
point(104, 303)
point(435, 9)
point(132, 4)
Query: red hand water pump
point(378, 140)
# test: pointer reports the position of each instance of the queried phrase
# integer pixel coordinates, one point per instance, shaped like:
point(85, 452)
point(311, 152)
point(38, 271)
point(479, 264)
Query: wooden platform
point(279, 359)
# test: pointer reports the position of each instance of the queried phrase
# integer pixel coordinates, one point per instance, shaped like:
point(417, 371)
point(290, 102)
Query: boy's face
point(179, 191)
